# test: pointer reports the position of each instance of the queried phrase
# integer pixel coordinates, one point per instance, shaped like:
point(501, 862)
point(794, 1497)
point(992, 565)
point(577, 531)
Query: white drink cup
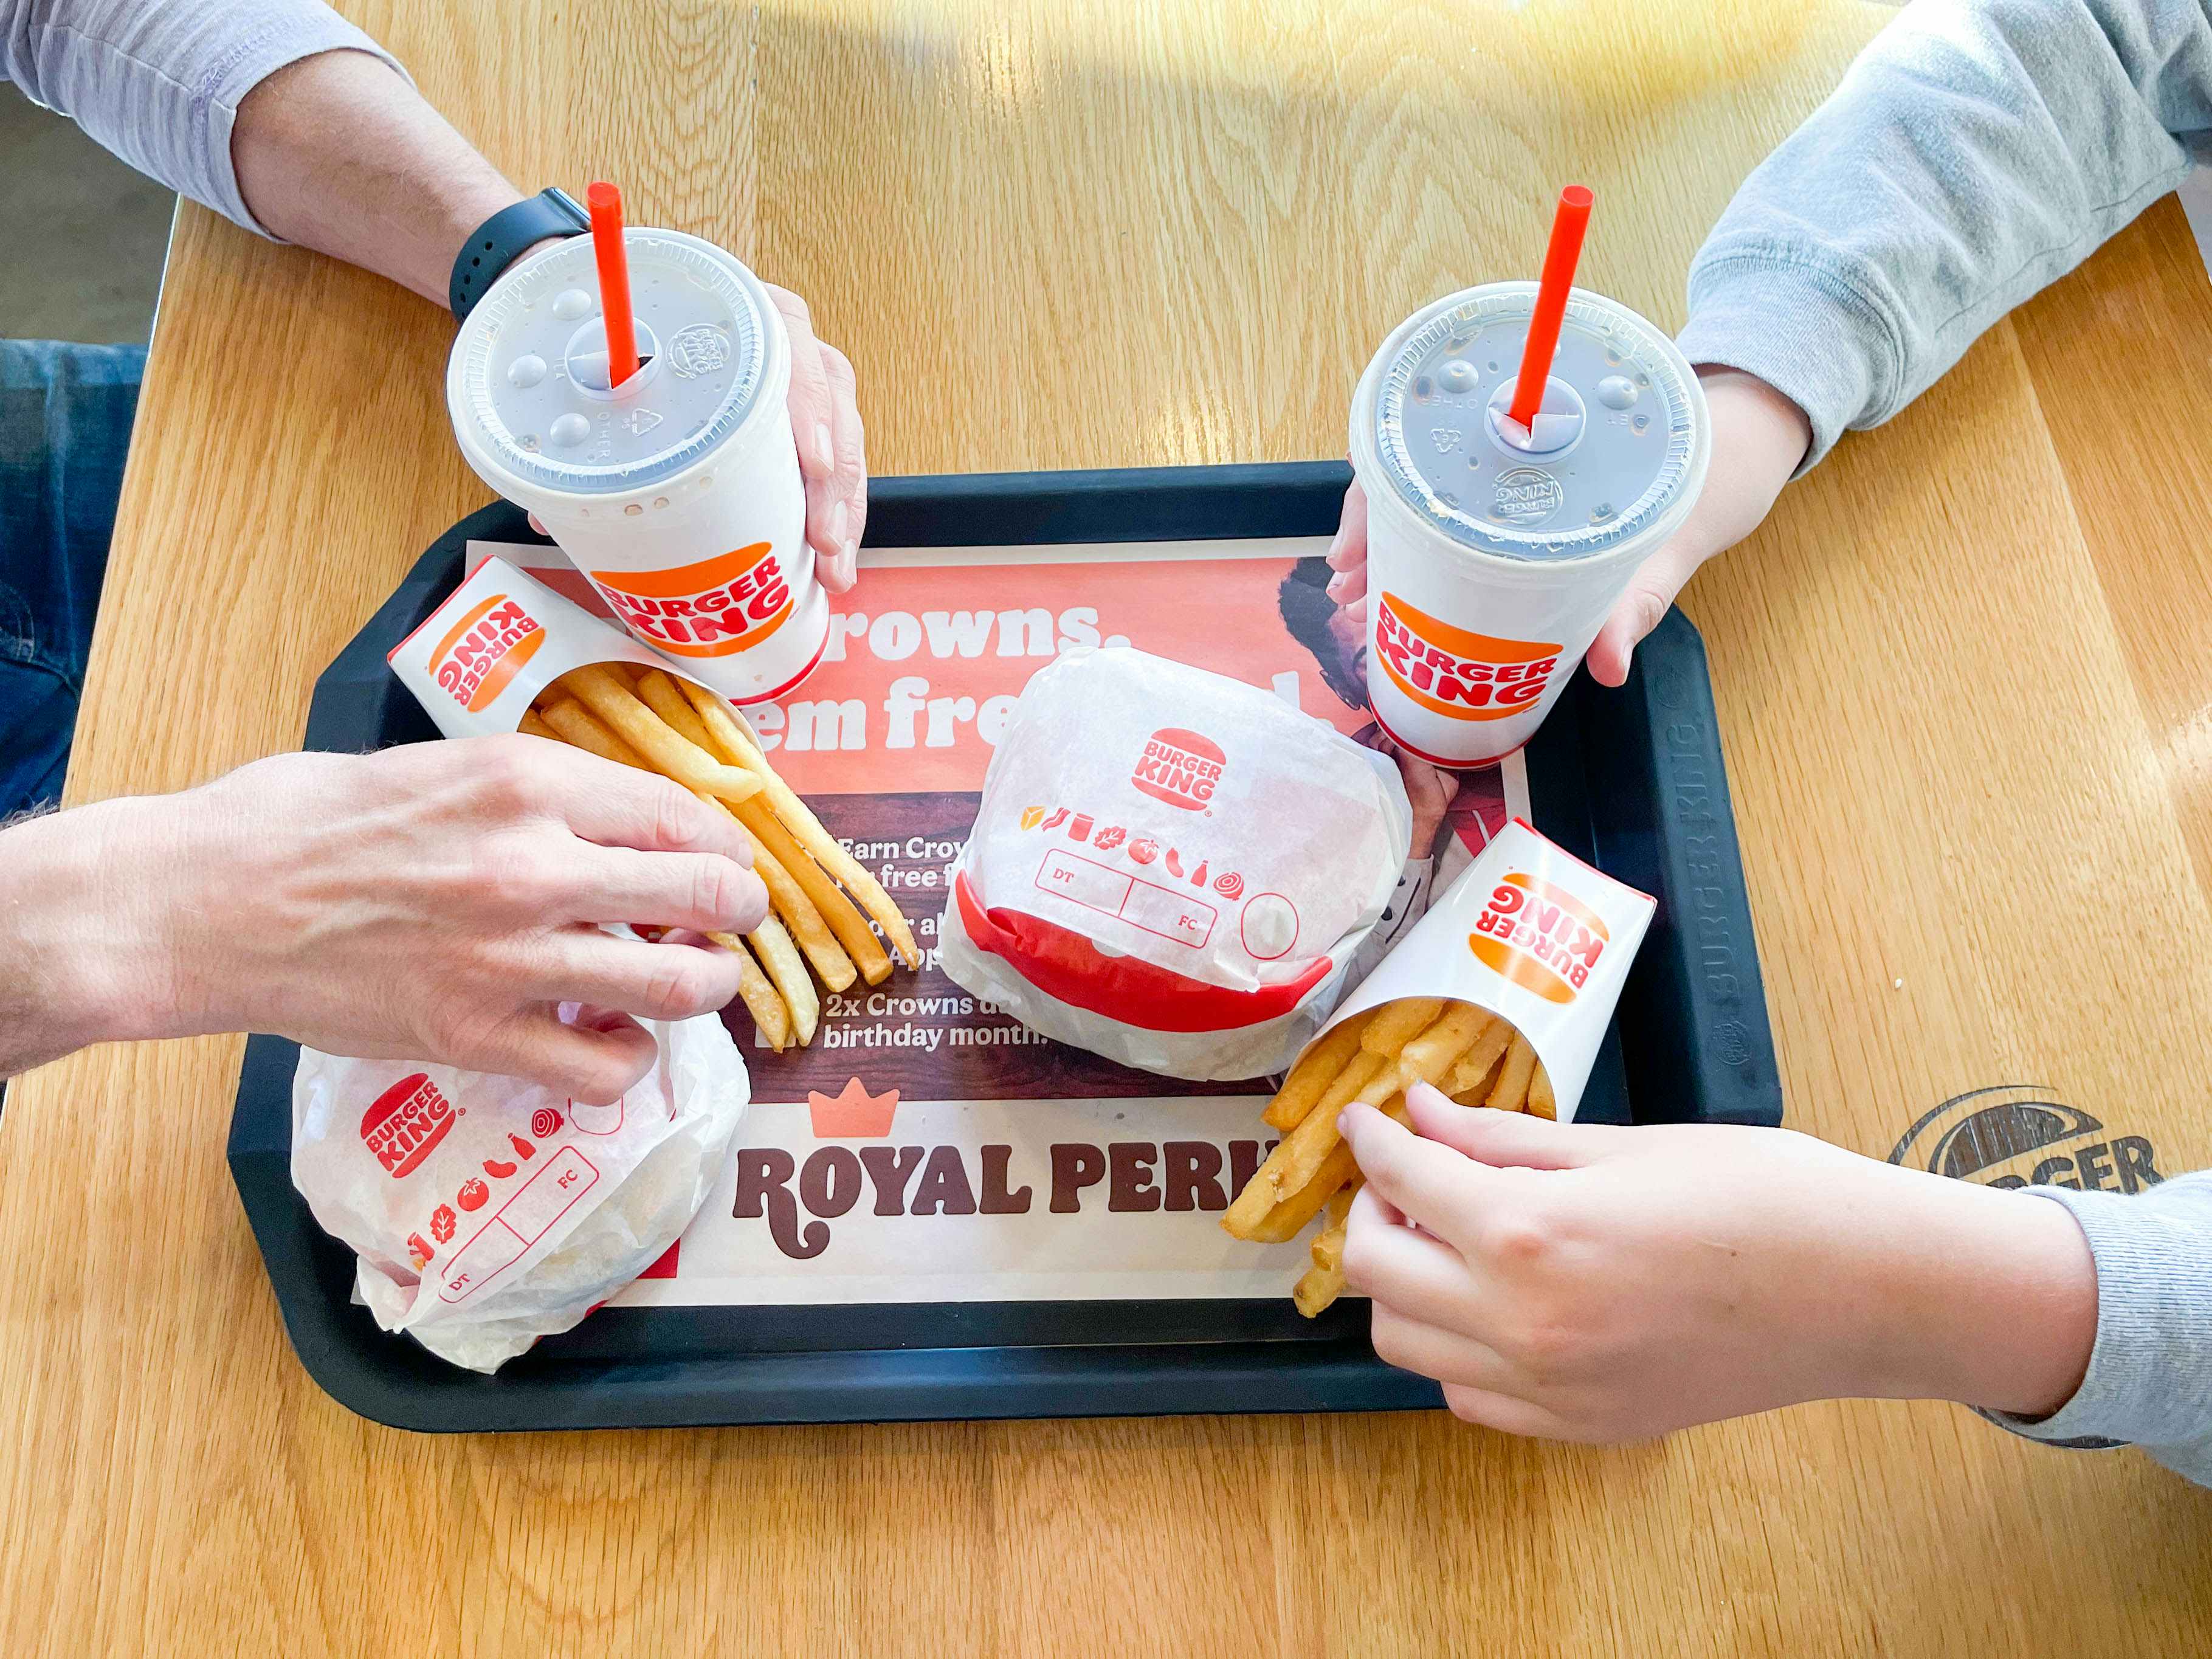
point(1494, 554)
point(678, 492)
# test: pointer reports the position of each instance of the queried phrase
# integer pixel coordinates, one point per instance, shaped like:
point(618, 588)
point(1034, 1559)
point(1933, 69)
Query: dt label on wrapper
point(1532, 934)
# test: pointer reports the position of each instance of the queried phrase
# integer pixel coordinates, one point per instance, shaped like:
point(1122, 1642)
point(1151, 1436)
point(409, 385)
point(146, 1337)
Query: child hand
point(1759, 438)
point(1582, 1282)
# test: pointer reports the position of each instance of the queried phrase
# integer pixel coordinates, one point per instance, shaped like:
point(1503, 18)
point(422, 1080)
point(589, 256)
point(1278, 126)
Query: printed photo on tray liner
point(926, 1147)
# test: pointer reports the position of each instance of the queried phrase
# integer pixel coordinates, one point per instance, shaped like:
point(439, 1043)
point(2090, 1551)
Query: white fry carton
point(480, 659)
point(1535, 935)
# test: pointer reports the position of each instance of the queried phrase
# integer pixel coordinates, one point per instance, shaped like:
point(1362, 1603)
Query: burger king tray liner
point(1631, 779)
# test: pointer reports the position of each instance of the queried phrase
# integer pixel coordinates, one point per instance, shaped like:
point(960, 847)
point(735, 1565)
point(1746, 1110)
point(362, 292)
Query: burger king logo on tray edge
point(1181, 768)
point(404, 1124)
point(1539, 938)
point(1455, 671)
point(485, 650)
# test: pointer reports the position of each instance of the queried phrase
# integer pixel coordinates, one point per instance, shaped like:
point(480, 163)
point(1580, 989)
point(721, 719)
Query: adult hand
point(1588, 1283)
point(1759, 438)
point(435, 901)
point(825, 419)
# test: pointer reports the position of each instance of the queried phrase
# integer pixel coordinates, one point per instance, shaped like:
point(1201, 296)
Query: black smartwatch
point(504, 235)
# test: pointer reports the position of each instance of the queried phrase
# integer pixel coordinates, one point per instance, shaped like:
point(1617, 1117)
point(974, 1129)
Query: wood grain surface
point(1968, 712)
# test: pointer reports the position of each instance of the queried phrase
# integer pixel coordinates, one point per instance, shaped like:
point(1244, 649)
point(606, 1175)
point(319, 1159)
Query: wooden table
point(1968, 709)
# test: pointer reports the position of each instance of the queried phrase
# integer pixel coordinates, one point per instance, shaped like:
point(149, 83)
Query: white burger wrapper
point(487, 1212)
point(1531, 932)
point(480, 659)
point(1171, 868)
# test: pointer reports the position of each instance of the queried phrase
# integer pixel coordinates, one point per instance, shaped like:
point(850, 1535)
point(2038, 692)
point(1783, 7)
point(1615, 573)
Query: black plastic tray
point(1631, 779)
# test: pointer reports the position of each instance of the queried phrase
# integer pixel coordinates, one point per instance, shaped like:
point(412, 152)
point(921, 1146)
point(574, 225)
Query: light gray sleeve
point(2149, 1383)
point(159, 84)
point(1977, 151)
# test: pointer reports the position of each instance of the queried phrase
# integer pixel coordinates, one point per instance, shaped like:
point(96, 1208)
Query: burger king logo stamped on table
point(1455, 671)
point(1541, 939)
point(715, 608)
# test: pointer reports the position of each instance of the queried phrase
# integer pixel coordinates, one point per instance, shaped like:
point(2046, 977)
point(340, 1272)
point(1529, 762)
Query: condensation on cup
point(1496, 551)
point(677, 494)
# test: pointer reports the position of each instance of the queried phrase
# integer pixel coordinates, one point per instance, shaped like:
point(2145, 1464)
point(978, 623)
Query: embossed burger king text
point(1541, 939)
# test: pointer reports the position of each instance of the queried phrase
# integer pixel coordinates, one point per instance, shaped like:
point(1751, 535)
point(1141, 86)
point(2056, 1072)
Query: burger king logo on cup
point(1539, 938)
point(715, 608)
point(484, 650)
point(1455, 671)
point(1182, 768)
point(405, 1123)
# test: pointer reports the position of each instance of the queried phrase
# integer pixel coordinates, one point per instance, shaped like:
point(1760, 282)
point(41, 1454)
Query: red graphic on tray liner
point(403, 1125)
point(518, 1224)
point(545, 1123)
point(1182, 768)
point(854, 1114)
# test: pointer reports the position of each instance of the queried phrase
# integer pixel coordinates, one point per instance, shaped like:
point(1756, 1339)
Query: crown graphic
point(854, 1115)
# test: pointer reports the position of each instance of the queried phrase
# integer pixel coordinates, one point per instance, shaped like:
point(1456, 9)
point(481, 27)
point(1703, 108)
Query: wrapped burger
point(1171, 868)
point(487, 1212)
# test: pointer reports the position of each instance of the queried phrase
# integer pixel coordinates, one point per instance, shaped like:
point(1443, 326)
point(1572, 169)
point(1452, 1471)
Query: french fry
point(1319, 1287)
point(1429, 1056)
point(1477, 1092)
point(570, 720)
point(1288, 1219)
point(1395, 1024)
point(1328, 1242)
point(1541, 1102)
point(856, 940)
point(788, 970)
point(770, 1017)
point(739, 747)
point(615, 703)
point(533, 725)
point(1512, 1090)
point(1319, 1067)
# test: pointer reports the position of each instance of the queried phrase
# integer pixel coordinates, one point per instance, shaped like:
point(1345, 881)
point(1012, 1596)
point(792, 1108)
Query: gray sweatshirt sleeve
point(160, 83)
point(1977, 151)
point(2149, 1383)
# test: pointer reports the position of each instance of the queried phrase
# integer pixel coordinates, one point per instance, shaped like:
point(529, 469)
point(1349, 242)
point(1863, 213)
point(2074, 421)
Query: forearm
point(80, 932)
point(1978, 150)
point(339, 154)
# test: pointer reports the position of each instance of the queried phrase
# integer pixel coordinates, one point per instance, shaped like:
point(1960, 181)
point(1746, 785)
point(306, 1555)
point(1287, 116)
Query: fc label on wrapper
point(1535, 935)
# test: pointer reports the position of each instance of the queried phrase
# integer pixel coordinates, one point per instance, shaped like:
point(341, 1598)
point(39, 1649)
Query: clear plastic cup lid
point(529, 381)
point(1615, 440)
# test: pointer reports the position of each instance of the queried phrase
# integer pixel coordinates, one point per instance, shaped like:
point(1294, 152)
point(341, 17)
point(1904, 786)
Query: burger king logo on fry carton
point(714, 608)
point(1455, 671)
point(1182, 768)
point(405, 1124)
point(1538, 937)
point(484, 650)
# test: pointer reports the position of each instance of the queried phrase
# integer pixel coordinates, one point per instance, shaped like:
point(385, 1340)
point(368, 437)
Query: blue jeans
point(65, 415)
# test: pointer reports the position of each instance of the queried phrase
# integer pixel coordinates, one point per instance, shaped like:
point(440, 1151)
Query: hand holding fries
point(1372, 1059)
point(822, 897)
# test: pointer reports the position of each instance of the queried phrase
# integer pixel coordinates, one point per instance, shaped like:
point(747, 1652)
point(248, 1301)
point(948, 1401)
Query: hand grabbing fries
point(1474, 1055)
point(650, 720)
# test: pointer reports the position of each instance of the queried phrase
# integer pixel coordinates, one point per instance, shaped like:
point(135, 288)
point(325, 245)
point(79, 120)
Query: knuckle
point(1465, 1405)
point(675, 818)
point(714, 888)
point(513, 874)
point(1544, 1346)
point(511, 776)
point(1518, 1239)
point(678, 987)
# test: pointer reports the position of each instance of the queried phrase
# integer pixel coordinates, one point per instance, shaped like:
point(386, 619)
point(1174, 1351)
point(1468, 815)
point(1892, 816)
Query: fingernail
point(1336, 587)
point(838, 516)
point(823, 454)
point(848, 564)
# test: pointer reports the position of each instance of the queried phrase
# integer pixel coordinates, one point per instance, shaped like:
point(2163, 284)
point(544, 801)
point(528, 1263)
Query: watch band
point(504, 235)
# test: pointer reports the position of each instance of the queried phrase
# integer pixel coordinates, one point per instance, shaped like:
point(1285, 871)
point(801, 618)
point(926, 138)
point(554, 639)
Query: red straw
point(1560, 261)
point(605, 201)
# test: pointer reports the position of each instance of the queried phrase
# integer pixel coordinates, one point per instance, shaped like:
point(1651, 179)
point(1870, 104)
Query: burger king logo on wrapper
point(405, 1124)
point(1455, 671)
point(483, 651)
point(715, 608)
point(1539, 938)
point(1182, 768)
